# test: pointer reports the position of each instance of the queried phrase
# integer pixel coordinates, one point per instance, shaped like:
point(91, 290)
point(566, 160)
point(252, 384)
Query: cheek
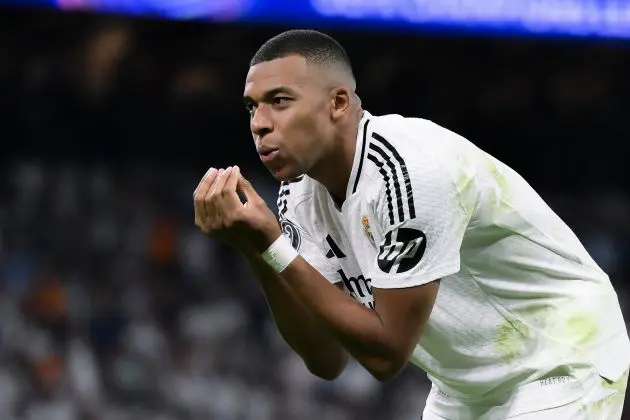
point(304, 146)
point(312, 139)
point(305, 134)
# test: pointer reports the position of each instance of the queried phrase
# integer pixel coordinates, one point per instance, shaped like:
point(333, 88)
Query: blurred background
point(113, 306)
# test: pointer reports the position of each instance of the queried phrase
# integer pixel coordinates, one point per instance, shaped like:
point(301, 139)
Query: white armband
point(280, 254)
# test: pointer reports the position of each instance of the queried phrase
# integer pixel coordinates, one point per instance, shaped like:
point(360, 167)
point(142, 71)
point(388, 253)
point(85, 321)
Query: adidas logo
point(334, 250)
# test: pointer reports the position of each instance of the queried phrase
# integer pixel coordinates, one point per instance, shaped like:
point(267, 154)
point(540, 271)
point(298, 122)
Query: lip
point(267, 156)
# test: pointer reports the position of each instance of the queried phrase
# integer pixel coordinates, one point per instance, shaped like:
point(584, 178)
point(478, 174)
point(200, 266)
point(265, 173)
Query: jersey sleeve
point(422, 210)
point(293, 227)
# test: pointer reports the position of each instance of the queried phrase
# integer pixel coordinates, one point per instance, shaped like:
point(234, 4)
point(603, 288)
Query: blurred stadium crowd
point(113, 306)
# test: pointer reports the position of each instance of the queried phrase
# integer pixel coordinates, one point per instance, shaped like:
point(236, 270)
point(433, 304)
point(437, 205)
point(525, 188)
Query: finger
point(232, 180)
point(221, 181)
point(205, 182)
point(245, 187)
point(230, 202)
point(209, 202)
point(200, 193)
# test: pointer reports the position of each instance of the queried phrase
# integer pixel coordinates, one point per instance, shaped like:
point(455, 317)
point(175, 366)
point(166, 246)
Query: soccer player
point(403, 241)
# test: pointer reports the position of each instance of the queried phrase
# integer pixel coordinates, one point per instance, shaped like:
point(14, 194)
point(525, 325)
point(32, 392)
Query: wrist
point(254, 247)
point(279, 254)
point(266, 238)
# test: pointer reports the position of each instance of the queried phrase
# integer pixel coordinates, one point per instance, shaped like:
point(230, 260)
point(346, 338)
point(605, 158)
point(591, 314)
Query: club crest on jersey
point(291, 231)
point(367, 229)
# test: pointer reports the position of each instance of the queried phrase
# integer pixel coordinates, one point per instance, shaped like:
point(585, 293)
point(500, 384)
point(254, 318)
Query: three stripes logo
point(394, 171)
point(334, 250)
point(401, 250)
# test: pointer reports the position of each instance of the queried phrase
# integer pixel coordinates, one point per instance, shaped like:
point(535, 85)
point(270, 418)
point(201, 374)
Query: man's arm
point(220, 213)
point(382, 340)
point(322, 353)
point(418, 243)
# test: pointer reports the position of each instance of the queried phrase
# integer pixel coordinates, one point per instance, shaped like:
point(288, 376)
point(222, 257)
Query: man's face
point(290, 116)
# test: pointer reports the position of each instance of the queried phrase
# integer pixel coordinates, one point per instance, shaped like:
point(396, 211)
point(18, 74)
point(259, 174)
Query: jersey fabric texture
point(520, 298)
point(594, 398)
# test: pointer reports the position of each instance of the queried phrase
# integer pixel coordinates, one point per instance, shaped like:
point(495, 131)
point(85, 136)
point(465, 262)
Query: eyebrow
point(269, 95)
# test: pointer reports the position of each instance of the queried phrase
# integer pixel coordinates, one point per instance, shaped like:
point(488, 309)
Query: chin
point(285, 173)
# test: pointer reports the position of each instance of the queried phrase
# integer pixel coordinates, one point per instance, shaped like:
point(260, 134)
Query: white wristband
point(280, 254)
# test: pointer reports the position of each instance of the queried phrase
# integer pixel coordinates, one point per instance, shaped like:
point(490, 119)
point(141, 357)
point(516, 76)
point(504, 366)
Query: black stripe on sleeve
point(387, 189)
point(384, 157)
point(403, 168)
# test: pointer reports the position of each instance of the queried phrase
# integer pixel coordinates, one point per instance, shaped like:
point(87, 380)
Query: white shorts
point(602, 400)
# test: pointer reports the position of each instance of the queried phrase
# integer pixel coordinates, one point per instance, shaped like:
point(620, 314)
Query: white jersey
point(520, 298)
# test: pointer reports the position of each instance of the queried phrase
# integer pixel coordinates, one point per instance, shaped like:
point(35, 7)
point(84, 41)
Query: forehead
point(292, 72)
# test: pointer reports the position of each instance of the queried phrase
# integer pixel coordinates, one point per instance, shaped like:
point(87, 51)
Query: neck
point(334, 172)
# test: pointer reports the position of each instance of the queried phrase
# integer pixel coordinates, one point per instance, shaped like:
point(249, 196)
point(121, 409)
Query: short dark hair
point(316, 47)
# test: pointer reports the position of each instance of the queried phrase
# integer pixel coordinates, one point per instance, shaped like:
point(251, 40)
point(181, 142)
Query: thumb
point(246, 187)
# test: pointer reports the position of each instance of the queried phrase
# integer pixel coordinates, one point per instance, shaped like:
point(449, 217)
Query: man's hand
point(220, 213)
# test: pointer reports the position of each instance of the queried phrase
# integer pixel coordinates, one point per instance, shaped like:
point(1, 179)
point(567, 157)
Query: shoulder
point(411, 135)
point(397, 146)
point(392, 145)
point(409, 161)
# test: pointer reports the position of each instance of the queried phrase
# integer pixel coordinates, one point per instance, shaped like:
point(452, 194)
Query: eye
point(281, 100)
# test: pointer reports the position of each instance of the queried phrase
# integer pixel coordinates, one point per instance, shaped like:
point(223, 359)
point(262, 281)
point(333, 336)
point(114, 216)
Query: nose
point(260, 123)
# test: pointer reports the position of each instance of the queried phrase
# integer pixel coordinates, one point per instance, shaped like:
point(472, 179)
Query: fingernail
point(236, 168)
point(208, 173)
point(211, 171)
point(221, 171)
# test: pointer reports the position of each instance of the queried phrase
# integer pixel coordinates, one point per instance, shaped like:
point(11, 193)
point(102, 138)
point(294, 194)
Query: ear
point(340, 100)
